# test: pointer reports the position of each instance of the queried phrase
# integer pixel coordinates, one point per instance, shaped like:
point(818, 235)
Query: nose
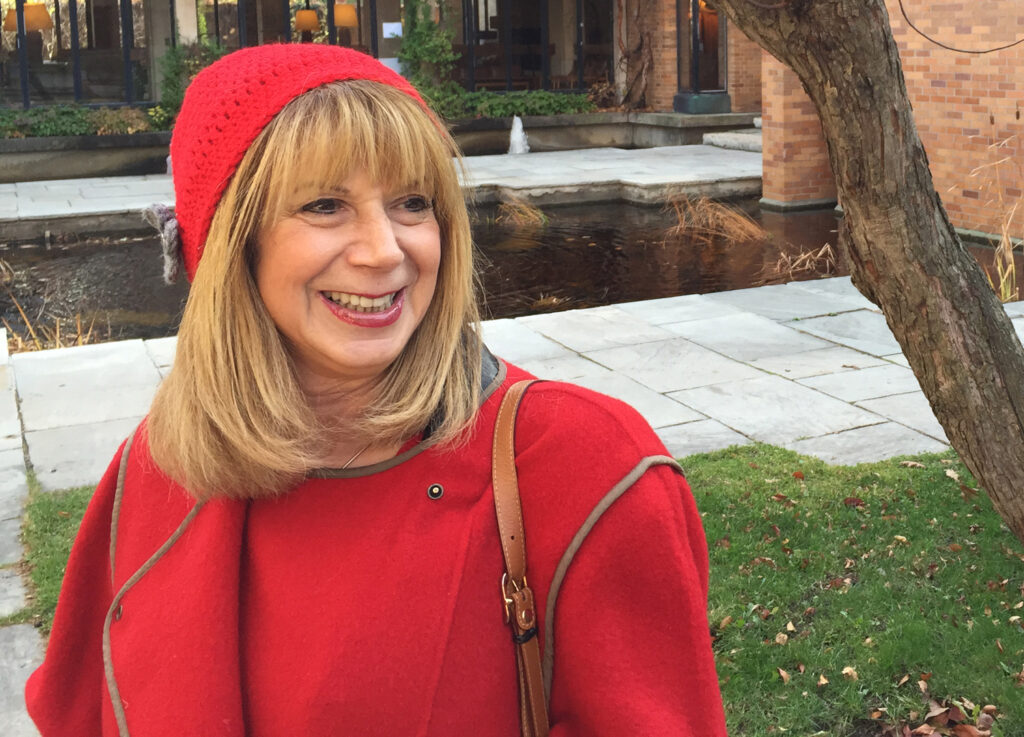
point(375, 244)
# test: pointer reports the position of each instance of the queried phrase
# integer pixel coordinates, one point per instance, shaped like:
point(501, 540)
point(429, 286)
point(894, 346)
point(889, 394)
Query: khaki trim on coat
point(548, 660)
point(108, 661)
point(122, 471)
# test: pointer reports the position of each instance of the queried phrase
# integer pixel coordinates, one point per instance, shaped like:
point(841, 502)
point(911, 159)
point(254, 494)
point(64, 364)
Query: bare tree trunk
point(903, 252)
point(638, 57)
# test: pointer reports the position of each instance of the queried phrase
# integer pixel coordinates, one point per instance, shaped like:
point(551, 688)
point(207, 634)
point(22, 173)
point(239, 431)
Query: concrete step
point(741, 140)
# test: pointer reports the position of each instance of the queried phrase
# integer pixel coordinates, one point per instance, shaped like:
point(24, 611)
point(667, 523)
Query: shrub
point(72, 120)
point(114, 121)
point(527, 102)
point(179, 66)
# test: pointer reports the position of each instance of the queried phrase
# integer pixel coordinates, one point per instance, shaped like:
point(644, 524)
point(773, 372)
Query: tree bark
point(903, 252)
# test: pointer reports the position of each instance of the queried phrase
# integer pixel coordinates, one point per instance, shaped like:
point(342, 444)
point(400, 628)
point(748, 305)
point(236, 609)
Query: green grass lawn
point(892, 573)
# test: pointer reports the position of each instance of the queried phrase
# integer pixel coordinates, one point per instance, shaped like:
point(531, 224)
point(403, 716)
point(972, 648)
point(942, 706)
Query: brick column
point(796, 172)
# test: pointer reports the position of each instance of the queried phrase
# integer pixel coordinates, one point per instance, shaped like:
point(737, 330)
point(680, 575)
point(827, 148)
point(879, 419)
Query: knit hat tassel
point(162, 218)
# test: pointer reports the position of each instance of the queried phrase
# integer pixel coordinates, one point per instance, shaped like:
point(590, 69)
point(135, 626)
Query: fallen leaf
point(726, 621)
point(799, 475)
point(853, 501)
point(990, 709)
point(903, 680)
point(790, 627)
point(952, 474)
point(822, 681)
point(876, 714)
point(783, 675)
point(900, 539)
point(911, 464)
point(937, 713)
point(781, 639)
point(956, 714)
point(985, 721)
point(924, 729)
point(923, 686)
point(999, 645)
point(955, 548)
point(801, 667)
point(926, 676)
point(850, 673)
point(966, 730)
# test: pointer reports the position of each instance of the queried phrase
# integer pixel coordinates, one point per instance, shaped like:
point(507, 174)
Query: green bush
point(527, 102)
point(179, 66)
point(72, 120)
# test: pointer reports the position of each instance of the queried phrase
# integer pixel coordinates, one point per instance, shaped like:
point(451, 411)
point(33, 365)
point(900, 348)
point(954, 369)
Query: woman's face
point(347, 276)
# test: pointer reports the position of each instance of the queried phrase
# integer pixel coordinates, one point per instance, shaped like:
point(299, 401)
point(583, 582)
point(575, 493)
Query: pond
point(574, 257)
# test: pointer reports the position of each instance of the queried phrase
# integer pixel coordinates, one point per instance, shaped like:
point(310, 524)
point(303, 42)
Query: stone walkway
point(809, 366)
point(31, 209)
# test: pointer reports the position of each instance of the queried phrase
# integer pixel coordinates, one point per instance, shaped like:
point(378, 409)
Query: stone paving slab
point(10, 424)
point(595, 328)
point(567, 368)
point(867, 444)
point(21, 652)
point(746, 337)
point(774, 410)
point(668, 365)
point(678, 309)
point(864, 330)
point(516, 342)
point(76, 455)
point(13, 492)
point(869, 383)
point(841, 287)
point(657, 409)
point(912, 410)
point(787, 301)
point(837, 360)
point(84, 384)
point(161, 350)
point(12, 592)
point(703, 436)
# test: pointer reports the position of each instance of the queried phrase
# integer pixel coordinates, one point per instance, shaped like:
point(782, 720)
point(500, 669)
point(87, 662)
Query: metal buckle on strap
point(507, 596)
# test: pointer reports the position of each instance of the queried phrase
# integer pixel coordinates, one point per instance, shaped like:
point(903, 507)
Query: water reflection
point(582, 256)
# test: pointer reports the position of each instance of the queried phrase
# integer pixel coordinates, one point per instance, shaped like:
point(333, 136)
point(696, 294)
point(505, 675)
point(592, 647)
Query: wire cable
point(951, 48)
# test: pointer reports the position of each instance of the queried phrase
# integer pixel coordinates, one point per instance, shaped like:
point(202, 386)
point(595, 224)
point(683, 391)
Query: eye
point(323, 206)
point(417, 203)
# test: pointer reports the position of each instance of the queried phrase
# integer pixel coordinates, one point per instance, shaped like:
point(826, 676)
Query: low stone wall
point(72, 157)
point(595, 130)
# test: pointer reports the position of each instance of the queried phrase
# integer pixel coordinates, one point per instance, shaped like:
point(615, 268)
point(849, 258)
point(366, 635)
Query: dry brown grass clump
point(39, 336)
point(820, 262)
point(704, 220)
point(520, 214)
point(1005, 173)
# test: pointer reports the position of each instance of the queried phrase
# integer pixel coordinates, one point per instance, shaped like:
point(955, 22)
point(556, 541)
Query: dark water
point(583, 256)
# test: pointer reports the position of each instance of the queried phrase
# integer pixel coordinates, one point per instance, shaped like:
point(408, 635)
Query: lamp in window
point(307, 21)
point(345, 17)
point(36, 21)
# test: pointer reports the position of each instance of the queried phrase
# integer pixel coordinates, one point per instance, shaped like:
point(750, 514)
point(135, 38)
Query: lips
point(364, 310)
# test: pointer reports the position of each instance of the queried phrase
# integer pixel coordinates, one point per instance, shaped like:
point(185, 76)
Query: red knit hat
point(229, 103)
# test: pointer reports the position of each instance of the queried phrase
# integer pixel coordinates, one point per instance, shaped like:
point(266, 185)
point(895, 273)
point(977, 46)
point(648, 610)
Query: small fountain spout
point(518, 143)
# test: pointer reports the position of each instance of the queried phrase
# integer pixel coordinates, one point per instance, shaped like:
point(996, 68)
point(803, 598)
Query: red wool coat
point(357, 604)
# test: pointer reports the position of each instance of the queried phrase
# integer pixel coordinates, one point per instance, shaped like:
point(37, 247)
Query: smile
point(361, 303)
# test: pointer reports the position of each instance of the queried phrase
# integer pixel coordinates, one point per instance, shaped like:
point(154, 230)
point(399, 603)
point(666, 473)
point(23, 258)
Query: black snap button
point(434, 491)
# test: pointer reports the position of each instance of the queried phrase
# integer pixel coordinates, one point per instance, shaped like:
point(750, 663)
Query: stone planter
point(74, 157)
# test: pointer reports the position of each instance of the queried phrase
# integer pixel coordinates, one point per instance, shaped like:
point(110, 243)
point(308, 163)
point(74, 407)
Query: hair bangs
point(385, 134)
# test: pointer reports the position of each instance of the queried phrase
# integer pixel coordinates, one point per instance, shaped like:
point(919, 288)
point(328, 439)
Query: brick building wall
point(796, 168)
point(964, 105)
point(744, 72)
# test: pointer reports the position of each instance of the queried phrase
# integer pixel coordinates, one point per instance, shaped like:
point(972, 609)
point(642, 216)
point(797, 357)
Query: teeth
point(360, 303)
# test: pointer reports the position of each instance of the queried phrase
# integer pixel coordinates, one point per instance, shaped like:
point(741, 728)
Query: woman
point(301, 538)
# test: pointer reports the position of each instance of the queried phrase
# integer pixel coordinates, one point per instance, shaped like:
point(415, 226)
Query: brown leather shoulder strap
point(520, 609)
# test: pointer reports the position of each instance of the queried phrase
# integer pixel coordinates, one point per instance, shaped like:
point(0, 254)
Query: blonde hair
point(230, 419)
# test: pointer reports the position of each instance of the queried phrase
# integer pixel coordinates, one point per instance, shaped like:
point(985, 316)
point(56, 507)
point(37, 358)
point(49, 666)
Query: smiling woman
point(307, 533)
